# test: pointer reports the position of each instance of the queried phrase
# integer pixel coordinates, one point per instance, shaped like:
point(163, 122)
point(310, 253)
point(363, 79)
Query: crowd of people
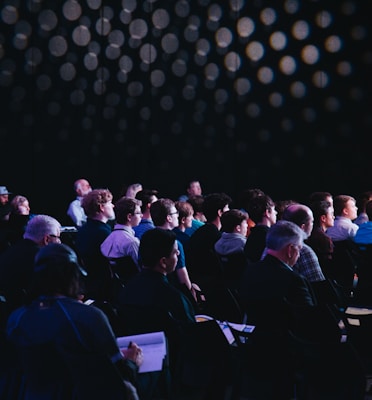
point(252, 260)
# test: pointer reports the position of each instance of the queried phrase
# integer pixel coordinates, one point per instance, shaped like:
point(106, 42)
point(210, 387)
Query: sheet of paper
point(358, 311)
point(154, 349)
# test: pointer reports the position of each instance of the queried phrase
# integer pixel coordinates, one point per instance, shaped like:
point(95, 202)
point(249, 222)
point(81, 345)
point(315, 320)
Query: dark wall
point(275, 95)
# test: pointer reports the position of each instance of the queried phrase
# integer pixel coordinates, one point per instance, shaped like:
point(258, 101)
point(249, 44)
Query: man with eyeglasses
point(16, 263)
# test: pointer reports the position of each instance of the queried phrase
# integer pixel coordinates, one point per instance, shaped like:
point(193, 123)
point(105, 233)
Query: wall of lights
point(237, 93)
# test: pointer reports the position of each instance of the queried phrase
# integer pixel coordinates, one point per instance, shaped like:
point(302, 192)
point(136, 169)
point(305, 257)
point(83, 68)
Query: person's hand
point(134, 353)
point(197, 293)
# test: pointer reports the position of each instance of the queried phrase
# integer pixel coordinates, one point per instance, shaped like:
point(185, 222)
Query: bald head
point(301, 215)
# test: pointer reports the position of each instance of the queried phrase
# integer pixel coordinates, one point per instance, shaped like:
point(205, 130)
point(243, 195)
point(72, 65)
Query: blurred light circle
point(333, 44)
point(278, 41)
point(245, 27)
point(160, 18)
point(148, 53)
point(310, 54)
point(255, 50)
point(287, 65)
point(232, 61)
point(300, 30)
point(71, 10)
point(81, 35)
point(265, 75)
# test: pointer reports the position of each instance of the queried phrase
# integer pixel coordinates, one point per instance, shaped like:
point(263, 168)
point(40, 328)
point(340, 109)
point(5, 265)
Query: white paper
point(154, 348)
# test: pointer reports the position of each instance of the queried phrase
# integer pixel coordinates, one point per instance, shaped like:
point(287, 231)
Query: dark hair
point(231, 218)
point(155, 244)
point(125, 206)
point(160, 209)
point(146, 196)
point(258, 206)
point(213, 203)
point(57, 271)
point(319, 208)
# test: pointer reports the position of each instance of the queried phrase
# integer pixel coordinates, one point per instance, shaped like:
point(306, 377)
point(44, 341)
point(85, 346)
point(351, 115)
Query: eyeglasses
point(173, 213)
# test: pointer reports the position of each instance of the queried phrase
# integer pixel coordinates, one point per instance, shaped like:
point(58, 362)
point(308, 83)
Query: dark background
point(160, 92)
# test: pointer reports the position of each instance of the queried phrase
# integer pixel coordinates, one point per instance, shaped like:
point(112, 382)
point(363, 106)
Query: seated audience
point(201, 257)
point(345, 212)
point(165, 215)
point(18, 218)
point(185, 218)
point(307, 264)
point(262, 212)
point(121, 241)
point(193, 189)
point(234, 225)
point(361, 203)
point(363, 235)
point(75, 210)
point(198, 217)
point(16, 263)
point(99, 209)
point(67, 349)
point(147, 197)
point(318, 240)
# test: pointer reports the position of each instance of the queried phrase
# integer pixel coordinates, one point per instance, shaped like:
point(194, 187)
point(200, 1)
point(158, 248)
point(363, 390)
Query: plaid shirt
point(308, 265)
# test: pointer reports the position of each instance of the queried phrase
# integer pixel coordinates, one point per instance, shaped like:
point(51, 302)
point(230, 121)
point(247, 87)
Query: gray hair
point(41, 225)
point(283, 233)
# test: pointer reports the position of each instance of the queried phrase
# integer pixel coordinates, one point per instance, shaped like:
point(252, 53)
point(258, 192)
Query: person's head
point(43, 230)
point(20, 205)
point(133, 189)
point(4, 195)
point(196, 202)
point(281, 205)
point(128, 211)
point(369, 210)
point(97, 204)
point(82, 187)
point(323, 214)
point(147, 197)
point(215, 204)
point(261, 209)
point(158, 250)
point(247, 195)
point(284, 240)
point(164, 213)
point(301, 215)
point(320, 196)
point(362, 200)
point(194, 188)
point(345, 206)
point(185, 214)
point(57, 272)
point(234, 221)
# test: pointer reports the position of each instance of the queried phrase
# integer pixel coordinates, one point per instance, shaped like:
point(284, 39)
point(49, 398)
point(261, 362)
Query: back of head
point(196, 202)
point(147, 196)
point(231, 218)
point(214, 202)
point(155, 244)
point(39, 226)
point(57, 271)
point(297, 213)
point(93, 201)
point(283, 233)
